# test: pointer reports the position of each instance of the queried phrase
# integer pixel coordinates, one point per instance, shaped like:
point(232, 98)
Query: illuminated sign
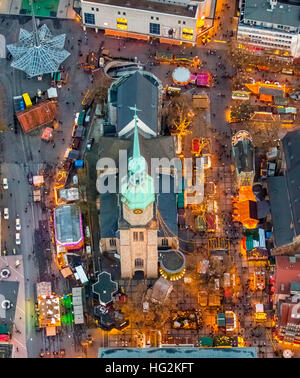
point(122, 23)
point(260, 316)
point(240, 95)
point(187, 33)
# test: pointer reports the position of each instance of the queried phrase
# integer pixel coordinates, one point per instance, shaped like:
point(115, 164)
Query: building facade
point(173, 21)
point(271, 26)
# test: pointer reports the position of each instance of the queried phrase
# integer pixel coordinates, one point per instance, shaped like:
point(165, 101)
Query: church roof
point(136, 89)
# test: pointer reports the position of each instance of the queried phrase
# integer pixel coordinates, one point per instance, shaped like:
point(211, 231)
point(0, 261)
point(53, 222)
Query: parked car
point(5, 183)
point(30, 178)
point(18, 238)
point(18, 223)
point(90, 144)
point(6, 213)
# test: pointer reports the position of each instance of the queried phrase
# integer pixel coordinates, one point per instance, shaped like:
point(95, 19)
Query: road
point(23, 154)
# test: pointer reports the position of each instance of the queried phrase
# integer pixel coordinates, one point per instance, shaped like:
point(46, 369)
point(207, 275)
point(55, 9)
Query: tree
point(154, 318)
point(178, 109)
point(100, 87)
point(241, 112)
point(264, 134)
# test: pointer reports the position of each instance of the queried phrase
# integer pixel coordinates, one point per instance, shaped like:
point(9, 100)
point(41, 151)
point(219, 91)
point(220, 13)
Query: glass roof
point(39, 52)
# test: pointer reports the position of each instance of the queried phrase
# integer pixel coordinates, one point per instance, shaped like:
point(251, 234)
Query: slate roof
point(105, 288)
point(109, 215)
point(136, 89)
point(280, 210)
point(166, 202)
point(282, 14)
point(271, 91)
point(291, 143)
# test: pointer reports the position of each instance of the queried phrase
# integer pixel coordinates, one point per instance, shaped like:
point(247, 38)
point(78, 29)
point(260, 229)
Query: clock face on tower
point(137, 211)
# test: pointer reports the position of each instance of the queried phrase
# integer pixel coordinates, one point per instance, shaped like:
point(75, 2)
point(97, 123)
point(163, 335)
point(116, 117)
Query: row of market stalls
point(275, 102)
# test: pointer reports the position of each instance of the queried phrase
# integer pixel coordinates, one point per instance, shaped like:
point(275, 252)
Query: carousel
point(181, 76)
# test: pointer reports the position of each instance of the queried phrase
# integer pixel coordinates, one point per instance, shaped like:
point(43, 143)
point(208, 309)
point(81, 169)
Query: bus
point(27, 100)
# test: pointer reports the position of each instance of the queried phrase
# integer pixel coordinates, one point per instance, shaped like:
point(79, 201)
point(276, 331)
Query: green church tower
point(138, 191)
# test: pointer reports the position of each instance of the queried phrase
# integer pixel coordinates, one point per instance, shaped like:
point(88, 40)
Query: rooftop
point(105, 287)
point(287, 271)
point(166, 202)
point(68, 225)
point(136, 89)
point(290, 144)
point(9, 292)
point(172, 260)
point(281, 14)
point(38, 53)
point(180, 352)
point(280, 209)
point(243, 152)
point(151, 6)
point(37, 115)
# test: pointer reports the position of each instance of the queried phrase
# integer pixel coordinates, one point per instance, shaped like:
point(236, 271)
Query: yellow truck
point(27, 100)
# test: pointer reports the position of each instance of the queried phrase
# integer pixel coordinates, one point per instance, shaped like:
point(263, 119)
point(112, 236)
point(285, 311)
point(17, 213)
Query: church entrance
point(138, 275)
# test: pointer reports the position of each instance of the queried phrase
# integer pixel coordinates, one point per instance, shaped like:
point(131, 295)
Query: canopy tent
point(47, 134)
point(245, 208)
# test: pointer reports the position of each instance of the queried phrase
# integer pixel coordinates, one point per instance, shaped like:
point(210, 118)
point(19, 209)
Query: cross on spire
point(136, 143)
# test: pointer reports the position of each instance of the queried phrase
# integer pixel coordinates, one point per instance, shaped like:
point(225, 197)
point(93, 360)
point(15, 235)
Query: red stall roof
point(37, 115)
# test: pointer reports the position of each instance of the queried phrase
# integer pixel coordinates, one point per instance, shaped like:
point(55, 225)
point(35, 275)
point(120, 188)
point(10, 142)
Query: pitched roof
point(291, 143)
point(136, 89)
point(280, 209)
point(38, 53)
point(243, 152)
point(37, 115)
point(287, 270)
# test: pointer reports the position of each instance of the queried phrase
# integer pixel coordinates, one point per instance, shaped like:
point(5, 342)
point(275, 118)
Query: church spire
point(138, 190)
point(136, 143)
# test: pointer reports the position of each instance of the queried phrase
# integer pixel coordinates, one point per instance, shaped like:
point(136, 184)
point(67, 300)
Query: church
point(137, 222)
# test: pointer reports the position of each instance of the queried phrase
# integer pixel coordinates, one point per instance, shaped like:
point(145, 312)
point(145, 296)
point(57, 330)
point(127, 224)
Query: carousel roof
point(38, 52)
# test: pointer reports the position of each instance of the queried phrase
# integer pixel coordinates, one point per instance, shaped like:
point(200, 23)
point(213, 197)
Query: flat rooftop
point(282, 13)
point(172, 261)
point(150, 6)
point(180, 352)
point(68, 226)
